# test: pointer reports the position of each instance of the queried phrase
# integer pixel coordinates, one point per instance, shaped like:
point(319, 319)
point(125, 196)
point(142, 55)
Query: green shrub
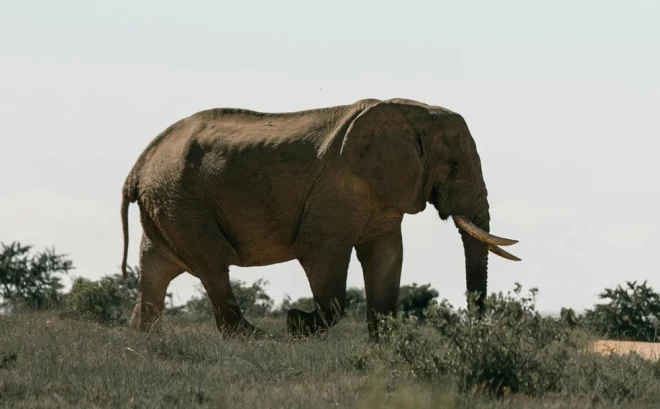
point(31, 280)
point(100, 301)
point(253, 300)
point(414, 299)
point(508, 346)
point(632, 313)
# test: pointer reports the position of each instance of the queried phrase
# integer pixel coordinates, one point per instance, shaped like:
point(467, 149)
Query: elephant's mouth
point(493, 241)
point(436, 201)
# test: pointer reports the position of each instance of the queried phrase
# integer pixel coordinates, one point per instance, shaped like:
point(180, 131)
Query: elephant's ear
point(382, 147)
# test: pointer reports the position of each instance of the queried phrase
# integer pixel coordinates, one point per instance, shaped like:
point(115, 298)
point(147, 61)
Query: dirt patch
point(649, 350)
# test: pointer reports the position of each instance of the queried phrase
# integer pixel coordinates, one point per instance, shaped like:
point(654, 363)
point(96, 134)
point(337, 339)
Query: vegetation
point(100, 300)
point(31, 279)
point(509, 357)
point(508, 348)
point(632, 313)
point(252, 300)
point(414, 300)
point(431, 356)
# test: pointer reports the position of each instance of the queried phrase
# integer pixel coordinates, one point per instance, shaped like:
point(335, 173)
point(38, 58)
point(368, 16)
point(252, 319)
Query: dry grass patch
point(648, 350)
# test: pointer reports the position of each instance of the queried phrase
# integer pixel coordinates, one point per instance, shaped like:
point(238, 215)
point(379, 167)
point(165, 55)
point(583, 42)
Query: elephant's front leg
point(381, 261)
point(326, 268)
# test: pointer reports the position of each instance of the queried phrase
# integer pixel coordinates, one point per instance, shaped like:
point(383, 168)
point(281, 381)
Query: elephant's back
point(234, 129)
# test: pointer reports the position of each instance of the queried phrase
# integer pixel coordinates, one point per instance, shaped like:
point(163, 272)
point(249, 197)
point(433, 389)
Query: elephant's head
point(413, 154)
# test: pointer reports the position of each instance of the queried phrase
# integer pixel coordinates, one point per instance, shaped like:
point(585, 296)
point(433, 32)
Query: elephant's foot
point(143, 324)
point(242, 328)
point(301, 323)
point(145, 317)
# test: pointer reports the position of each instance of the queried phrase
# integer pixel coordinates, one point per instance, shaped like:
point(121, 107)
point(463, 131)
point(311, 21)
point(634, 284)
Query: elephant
point(235, 187)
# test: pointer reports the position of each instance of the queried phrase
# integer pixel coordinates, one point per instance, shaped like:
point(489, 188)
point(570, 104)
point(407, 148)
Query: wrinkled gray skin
point(236, 187)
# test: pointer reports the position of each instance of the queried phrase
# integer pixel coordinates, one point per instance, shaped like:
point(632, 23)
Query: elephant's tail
point(128, 196)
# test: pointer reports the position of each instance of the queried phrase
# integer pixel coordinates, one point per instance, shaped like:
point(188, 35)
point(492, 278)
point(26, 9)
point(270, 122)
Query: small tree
point(632, 313)
point(414, 299)
point(31, 279)
point(252, 300)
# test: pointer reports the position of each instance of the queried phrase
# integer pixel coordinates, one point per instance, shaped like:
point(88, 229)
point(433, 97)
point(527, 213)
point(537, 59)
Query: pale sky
point(562, 99)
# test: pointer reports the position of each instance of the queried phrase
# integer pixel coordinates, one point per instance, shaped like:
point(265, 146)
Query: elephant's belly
point(263, 254)
point(259, 235)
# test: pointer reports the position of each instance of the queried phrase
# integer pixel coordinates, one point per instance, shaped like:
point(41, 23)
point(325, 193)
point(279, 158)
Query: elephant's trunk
point(476, 256)
point(477, 241)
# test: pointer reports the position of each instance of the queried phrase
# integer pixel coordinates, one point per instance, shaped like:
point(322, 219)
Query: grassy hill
point(46, 361)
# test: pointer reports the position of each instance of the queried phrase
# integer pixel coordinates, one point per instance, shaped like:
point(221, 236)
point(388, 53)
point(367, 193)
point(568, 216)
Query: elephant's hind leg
point(207, 254)
point(156, 273)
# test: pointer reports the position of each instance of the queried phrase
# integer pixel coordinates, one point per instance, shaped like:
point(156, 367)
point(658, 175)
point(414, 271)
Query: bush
point(100, 301)
point(108, 300)
point(253, 300)
point(510, 348)
point(632, 313)
point(414, 300)
point(507, 347)
point(31, 279)
point(614, 378)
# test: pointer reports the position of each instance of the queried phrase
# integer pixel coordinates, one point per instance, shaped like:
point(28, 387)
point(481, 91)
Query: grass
point(48, 362)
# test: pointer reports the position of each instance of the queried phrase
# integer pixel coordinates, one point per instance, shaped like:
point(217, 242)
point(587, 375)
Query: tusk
point(469, 227)
point(502, 253)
